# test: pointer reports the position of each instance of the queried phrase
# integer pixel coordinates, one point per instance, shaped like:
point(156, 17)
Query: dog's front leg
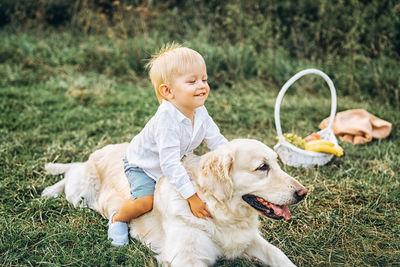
point(187, 246)
point(266, 253)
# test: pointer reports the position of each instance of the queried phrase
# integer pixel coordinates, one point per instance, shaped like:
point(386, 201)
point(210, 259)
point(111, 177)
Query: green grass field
point(63, 96)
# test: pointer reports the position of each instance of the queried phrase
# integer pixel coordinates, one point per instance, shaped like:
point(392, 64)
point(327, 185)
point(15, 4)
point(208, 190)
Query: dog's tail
point(58, 188)
point(57, 168)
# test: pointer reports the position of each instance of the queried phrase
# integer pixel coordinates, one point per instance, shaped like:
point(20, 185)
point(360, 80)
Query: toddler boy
point(181, 123)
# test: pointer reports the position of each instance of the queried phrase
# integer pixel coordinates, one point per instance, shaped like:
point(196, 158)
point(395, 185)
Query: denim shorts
point(140, 183)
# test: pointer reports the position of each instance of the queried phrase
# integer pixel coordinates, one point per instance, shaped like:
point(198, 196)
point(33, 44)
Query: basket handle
point(289, 83)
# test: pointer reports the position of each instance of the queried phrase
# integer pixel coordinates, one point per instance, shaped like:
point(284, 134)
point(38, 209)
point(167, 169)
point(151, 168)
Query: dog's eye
point(263, 167)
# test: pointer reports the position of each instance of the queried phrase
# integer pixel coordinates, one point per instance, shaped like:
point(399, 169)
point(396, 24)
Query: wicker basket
point(292, 155)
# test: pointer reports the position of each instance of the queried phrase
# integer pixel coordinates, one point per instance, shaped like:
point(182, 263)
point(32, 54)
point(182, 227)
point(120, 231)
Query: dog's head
point(247, 170)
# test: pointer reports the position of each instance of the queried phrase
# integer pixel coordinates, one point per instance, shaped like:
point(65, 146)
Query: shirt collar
point(198, 113)
point(172, 109)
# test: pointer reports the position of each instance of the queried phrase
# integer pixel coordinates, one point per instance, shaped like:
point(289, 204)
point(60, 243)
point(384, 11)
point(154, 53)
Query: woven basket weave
point(292, 155)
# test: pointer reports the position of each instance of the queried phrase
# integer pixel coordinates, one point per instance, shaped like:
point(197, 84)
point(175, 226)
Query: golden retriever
point(238, 181)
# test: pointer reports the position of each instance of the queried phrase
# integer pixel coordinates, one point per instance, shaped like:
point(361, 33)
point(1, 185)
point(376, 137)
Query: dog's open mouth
point(267, 208)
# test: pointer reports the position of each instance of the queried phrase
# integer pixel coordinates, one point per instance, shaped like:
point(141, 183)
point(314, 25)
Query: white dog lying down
point(238, 181)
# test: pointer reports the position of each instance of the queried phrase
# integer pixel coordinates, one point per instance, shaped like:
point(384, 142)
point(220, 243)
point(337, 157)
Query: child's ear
point(166, 91)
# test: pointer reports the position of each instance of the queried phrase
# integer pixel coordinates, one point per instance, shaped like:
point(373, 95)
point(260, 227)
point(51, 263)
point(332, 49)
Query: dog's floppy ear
point(216, 168)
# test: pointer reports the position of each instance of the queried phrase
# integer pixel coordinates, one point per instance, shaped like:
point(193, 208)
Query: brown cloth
point(358, 126)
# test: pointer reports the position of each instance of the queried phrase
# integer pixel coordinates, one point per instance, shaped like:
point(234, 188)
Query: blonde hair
point(171, 60)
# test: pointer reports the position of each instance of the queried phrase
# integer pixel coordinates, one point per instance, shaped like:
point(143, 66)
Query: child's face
point(190, 89)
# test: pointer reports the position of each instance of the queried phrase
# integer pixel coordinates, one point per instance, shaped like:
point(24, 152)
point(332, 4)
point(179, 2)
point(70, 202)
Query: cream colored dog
point(238, 181)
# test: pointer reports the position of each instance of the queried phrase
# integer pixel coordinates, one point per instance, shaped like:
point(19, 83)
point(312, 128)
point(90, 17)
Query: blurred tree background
point(355, 42)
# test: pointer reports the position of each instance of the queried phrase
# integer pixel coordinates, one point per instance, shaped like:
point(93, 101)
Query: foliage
point(356, 41)
point(340, 27)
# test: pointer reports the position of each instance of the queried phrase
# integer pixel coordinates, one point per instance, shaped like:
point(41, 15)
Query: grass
point(64, 96)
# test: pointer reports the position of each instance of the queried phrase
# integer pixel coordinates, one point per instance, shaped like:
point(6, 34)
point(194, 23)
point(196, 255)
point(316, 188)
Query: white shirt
point(166, 138)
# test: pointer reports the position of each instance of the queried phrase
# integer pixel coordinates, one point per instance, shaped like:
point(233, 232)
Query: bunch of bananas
point(324, 146)
point(314, 143)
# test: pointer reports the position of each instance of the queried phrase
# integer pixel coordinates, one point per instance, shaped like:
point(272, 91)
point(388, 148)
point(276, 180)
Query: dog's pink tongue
point(281, 211)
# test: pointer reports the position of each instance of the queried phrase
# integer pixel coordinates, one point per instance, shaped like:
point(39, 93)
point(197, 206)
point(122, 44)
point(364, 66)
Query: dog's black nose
point(300, 194)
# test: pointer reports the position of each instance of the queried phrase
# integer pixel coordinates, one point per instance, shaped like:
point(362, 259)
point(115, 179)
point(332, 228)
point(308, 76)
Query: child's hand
point(198, 207)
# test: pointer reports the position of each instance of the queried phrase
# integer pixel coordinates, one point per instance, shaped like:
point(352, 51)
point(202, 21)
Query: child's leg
point(142, 190)
point(133, 208)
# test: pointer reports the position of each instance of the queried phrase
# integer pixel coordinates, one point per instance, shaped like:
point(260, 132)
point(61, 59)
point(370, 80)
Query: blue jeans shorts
point(140, 183)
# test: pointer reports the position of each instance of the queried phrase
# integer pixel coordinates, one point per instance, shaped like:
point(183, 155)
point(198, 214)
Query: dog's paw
point(54, 190)
point(49, 192)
